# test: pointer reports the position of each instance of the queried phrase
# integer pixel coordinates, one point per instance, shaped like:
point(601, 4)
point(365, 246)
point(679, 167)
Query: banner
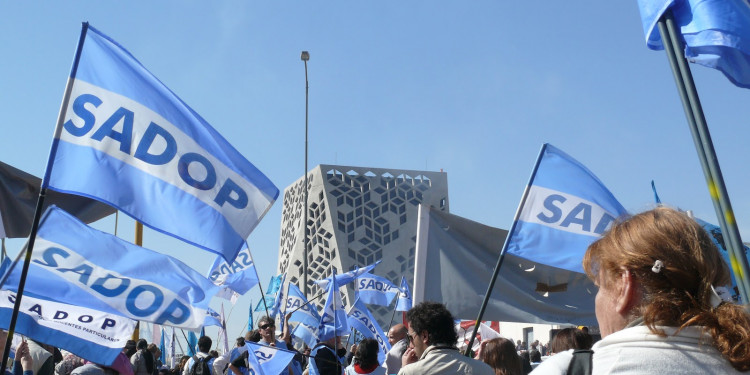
point(565, 208)
point(375, 290)
point(333, 318)
point(303, 311)
point(19, 192)
point(85, 267)
point(346, 277)
point(93, 335)
point(239, 278)
point(127, 140)
point(268, 360)
point(716, 33)
point(452, 257)
point(360, 318)
point(404, 296)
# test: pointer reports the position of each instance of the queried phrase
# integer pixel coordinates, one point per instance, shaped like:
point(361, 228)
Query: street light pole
point(305, 56)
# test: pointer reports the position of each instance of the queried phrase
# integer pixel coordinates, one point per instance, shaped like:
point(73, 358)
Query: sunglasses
point(410, 337)
point(265, 326)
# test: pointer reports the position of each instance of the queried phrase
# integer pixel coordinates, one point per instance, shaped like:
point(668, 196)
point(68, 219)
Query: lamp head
point(305, 56)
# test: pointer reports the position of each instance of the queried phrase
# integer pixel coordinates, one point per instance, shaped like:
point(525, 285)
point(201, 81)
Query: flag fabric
point(93, 335)
point(172, 352)
point(212, 318)
point(333, 318)
point(346, 277)
point(223, 339)
point(717, 237)
point(82, 266)
point(303, 312)
point(19, 192)
point(156, 333)
point(192, 343)
point(308, 334)
point(375, 290)
point(488, 333)
point(274, 285)
point(452, 257)
point(565, 209)
point(238, 278)
point(716, 33)
point(163, 348)
point(404, 296)
point(360, 318)
point(266, 301)
point(249, 316)
point(268, 360)
point(278, 302)
point(125, 139)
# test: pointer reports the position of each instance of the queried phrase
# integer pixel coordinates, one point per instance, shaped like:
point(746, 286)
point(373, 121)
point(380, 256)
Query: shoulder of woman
point(556, 364)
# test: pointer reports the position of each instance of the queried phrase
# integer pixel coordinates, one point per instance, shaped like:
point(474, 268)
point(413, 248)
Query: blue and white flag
point(718, 238)
point(273, 285)
point(265, 303)
point(278, 302)
point(404, 296)
point(163, 348)
point(375, 290)
point(308, 334)
point(82, 266)
point(238, 278)
point(360, 318)
point(212, 318)
point(565, 209)
point(303, 311)
point(333, 318)
point(267, 359)
point(716, 32)
point(93, 335)
point(127, 140)
point(346, 277)
point(192, 343)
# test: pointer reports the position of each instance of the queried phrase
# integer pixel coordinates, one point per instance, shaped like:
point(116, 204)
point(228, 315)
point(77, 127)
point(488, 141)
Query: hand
point(409, 357)
point(22, 352)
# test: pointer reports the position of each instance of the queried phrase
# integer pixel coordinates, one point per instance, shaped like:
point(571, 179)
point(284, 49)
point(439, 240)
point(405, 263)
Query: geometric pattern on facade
point(356, 216)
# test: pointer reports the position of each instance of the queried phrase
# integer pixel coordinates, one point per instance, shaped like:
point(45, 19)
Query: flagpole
point(40, 199)
point(501, 257)
point(706, 153)
point(305, 56)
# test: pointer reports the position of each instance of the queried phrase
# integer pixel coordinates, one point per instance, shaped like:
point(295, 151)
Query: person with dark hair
point(204, 346)
point(432, 344)
point(327, 357)
point(130, 348)
point(142, 360)
point(569, 338)
point(221, 364)
point(366, 359)
point(500, 353)
point(157, 357)
point(658, 306)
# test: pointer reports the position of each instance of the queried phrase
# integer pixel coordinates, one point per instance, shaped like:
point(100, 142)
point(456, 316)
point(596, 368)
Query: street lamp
point(305, 56)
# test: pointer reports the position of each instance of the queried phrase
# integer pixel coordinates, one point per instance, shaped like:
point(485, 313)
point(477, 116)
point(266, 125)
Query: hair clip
point(658, 266)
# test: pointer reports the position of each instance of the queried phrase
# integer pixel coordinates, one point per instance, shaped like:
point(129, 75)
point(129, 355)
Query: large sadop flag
point(346, 277)
point(302, 311)
point(452, 257)
point(360, 318)
point(82, 266)
point(19, 192)
point(716, 33)
point(238, 278)
point(93, 335)
point(564, 209)
point(125, 139)
point(375, 290)
point(333, 317)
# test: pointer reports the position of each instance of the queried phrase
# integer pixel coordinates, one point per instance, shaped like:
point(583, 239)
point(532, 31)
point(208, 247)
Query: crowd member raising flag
point(346, 277)
point(125, 139)
point(375, 290)
point(716, 33)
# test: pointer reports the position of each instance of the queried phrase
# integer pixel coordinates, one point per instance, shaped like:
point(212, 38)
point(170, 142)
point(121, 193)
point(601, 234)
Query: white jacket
point(636, 350)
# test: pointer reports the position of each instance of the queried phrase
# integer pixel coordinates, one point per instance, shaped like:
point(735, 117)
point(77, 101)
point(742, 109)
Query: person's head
point(240, 342)
point(153, 349)
point(130, 348)
point(397, 333)
point(183, 361)
point(214, 353)
point(252, 336)
point(430, 323)
point(204, 344)
point(142, 344)
point(367, 353)
point(569, 338)
point(267, 328)
point(501, 355)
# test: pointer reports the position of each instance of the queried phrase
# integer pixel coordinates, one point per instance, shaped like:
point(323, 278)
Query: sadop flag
point(125, 139)
point(333, 317)
point(264, 303)
point(274, 284)
point(278, 302)
point(716, 33)
point(238, 278)
point(212, 318)
point(564, 209)
point(303, 312)
point(375, 290)
point(268, 360)
point(346, 277)
point(93, 335)
point(163, 347)
point(82, 266)
point(360, 318)
point(308, 334)
point(404, 296)
point(192, 343)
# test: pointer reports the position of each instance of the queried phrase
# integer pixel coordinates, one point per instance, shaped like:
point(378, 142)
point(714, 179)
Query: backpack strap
point(581, 362)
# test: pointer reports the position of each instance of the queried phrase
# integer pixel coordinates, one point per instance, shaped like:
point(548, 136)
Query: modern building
point(356, 216)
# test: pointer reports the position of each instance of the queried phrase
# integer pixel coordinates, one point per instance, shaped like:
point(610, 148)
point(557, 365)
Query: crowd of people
point(657, 308)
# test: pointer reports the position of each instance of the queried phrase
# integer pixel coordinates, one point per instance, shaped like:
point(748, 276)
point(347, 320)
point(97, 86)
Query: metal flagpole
point(704, 146)
point(501, 257)
point(40, 200)
point(305, 56)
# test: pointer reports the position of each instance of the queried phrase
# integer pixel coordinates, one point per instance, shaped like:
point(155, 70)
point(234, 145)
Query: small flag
point(375, 290)
point(333, 318)
point(238, 278)
point(346, 277)
point(404, 296)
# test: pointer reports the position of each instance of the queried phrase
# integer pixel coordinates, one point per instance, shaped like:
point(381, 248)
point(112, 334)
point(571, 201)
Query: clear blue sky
point(470, 87)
